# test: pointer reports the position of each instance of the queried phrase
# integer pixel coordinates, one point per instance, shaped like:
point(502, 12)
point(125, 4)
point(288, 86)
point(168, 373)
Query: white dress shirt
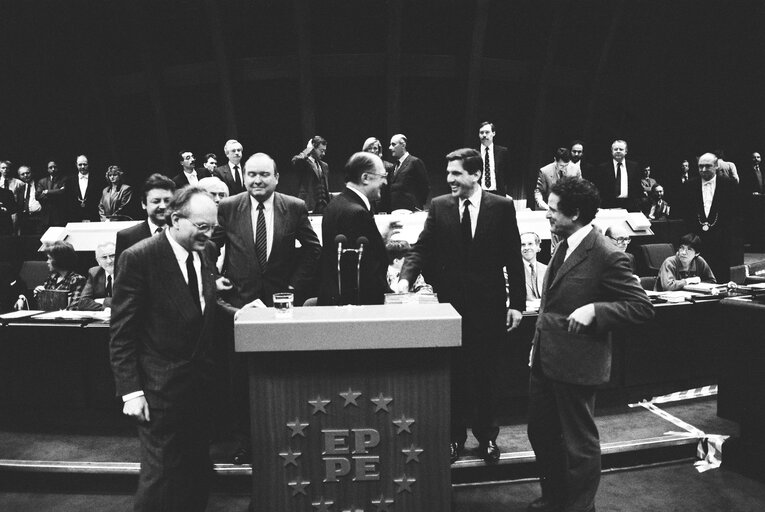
point(83, 181)
point(708, 193)
point(191, 177)
point(576, 239)
point(236, 173)
point(623, 189)
point(475, 205)
point(268, 211)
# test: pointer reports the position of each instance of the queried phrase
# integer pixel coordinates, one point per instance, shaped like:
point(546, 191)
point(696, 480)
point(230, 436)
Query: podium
point(349, 406)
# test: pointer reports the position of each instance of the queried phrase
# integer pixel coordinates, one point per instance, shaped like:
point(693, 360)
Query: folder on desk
point(53, 300)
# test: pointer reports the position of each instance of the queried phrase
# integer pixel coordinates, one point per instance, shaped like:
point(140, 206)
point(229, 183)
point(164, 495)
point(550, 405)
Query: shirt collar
point(576, 238)
point(231, 166)
point(153, 227)
point(475, 198)
point(192, 173)
point(83, 176)
point(181, 254)
point(358, 193)
point(490, 147)
point(403, 157)
point(713, 181)
point(268, 204)
point(623, 162)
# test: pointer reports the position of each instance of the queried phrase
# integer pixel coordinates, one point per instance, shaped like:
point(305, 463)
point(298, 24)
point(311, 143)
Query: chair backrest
point(33, 273)
point(739, 273)
point(648, 282)
point(655, 254)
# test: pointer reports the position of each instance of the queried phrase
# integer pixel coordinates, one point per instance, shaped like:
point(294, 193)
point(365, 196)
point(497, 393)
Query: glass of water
point(283, 304)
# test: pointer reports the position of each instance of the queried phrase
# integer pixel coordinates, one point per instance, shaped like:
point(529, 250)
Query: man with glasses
point(50, 193)
point(350, 214)
point(620, 236)
point(97, 294)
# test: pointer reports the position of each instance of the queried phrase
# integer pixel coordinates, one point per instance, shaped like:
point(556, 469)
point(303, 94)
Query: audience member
point(189, 175)
point(684, 268)
point(578, 163)
point(397, 251)
point(535, 271)
point(646, 181)
point(495, 161)
point(409, 187)
point(752, 189)
point(50, 194)
point(82, 194)
point(231, 171)
point(7, 212)
point(7, 179)
point(62, 261)
point(621, 237)
point(468, 267)
point(313, 175)
point(618, 180)
point(724, 168)
point(217, 189)
point(658, 208)
point(211, 162)
point(29, 219)
point(549, 174)
point(97, 294)
point(117, 197)
point(374, 146)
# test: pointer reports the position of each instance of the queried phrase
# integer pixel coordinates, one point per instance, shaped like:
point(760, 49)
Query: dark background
point(135, 82)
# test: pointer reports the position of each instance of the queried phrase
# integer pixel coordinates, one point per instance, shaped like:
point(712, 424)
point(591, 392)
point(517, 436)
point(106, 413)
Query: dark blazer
point(605, 180)
point(348, 215)
point(129, 237)
point(310, 182)
point(160, 342)
point(95, 288)
point(596, 272)
point(224, 173)
point(472, 281)
point(287, 265)
point(52, 201)
point(409, 187)
point(181, 180)
point(501, 167)
point(749, 182)
point(7, 209)
point(80, 208)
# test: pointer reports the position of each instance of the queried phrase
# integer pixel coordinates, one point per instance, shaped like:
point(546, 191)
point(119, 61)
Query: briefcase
point(53, 300)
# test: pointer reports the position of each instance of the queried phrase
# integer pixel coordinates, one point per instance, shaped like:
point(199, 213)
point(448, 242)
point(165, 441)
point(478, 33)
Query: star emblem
point(350, 397)
point(403, 424)
point(412, 453)
point(381, 402)
point(297, 427)
point(404, 484)
point(319, 404)
point(322, 505)
point(298, 487)
point(290, 457)
point(382, 503)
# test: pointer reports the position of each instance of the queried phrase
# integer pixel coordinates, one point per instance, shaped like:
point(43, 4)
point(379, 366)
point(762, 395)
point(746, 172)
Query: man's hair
point(209, 156)
point(180, 202)
point(181, 153)
point(691, 240)
point(562, 154)
point(259, 155)
point(577, 195)
point(487, 123)
point(157, 180)
point(471, 159)
point(62, 254)
point(620, 140)
point(577, 141)
point(397, 249)
point(655, 186)
point(536, 237)
point(318, 140)
point(8, 163)
point(358, 164)
point(82, 156)
point(402, 137)
point(103, 245)
point(228, 143)
point(213, 181)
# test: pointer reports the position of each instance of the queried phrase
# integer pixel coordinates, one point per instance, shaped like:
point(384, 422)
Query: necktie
point(395, 168)
point(261, 237)
point(557, 261)
point(467, 230)
point(758, 175)
point(486, 169)
point(108, 290)
point(26, 197)
point(534, 287)
point(157, 231)
point(237, 179)
point(618, 179)
point(193, 283)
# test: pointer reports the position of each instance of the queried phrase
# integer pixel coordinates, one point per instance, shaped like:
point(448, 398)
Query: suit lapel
point(455, 217)
point(243, 214)
point(481, 225)
point(575, 258)
point(280, 216)
point(173, 280)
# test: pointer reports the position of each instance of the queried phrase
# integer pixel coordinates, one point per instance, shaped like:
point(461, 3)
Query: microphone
point(339, 240)
point(361, 242)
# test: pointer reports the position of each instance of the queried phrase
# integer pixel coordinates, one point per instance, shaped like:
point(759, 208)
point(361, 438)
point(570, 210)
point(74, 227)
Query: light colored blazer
point(547, 178)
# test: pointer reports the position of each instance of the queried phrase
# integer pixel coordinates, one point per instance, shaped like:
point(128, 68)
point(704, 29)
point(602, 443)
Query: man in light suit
point(189, 175)
point(589, 292)
point(259, 229)
point(98, 291)
point(469, 240)
point(618, 180)
point(157, 193)
point(409, 187)
point(313, 175)
point(162, 335)
point(350, 214)
point(231, 172)
point(550, 174)
point(496, 175)
point(535, 271)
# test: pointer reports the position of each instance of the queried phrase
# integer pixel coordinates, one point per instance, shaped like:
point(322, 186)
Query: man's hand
point(513, 319)
point(581, 317)
point(223, 284)
point(692, 280)
point(402, 286)
point(138, 408)
point(38, 289)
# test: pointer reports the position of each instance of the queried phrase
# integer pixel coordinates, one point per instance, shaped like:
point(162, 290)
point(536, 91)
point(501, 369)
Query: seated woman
point(61, 262)
point(116, 197)
point(685, 268)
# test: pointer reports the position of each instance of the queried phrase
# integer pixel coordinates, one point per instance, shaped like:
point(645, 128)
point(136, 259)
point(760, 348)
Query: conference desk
point(68, 365)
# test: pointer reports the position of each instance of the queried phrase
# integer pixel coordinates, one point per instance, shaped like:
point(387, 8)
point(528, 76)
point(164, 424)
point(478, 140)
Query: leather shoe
point(241, 456)
point(543, 505)
point(455, 450)
point(490, 452)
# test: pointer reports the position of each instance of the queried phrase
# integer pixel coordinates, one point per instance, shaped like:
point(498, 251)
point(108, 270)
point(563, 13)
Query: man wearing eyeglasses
point(621, 237)
point(350, 214)
point(162, 333)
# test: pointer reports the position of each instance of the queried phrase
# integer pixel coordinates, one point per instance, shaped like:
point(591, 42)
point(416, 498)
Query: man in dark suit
point(50, 193)
point(97, 294)
point(82, 193)
point(753, 194)
point(349, 214)
point(409, 187)
point(470, 238)
point(711, 208)
point(189, 175)
point(618, 180)
point(589, 291)
point(578, 162)
point(162, 334)
point(260, 228)
point(29, 219)
point(496, 175)
point(7, 211)
point(231, 172)
point(157, 193)
point(312, 175)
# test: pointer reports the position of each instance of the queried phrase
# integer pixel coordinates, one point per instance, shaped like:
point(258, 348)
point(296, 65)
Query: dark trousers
point(565, 440)
point(175, 461)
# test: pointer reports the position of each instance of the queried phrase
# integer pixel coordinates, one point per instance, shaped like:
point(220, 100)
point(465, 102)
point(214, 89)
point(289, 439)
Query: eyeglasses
point(381, 176)
point(622, 240)
point(204, 228)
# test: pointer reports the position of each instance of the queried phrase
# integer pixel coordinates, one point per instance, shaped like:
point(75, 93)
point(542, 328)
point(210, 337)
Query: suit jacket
point(310, 180)
point(749, 181)
point(546, 178)
point(348, 215)
point(409, 187)
point(181, 180)
point(224, 173)
point(725, 213)
point(471, 279)
point(160, 342)
point(286, 266)
point(541, 270)
point(501, 161)
point(7, 209)
point(129, 237)
point(95, 288)
point(120, 203)
point(54, 213)
point(605, 180)
point(82, 208)
point(596, 273)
